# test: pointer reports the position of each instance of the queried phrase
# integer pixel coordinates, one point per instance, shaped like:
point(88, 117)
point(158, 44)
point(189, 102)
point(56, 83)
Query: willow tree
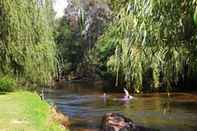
point(27, 48)
point(154, 38)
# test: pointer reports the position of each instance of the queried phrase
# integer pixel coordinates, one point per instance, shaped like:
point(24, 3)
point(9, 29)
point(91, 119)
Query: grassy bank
point(24, 111)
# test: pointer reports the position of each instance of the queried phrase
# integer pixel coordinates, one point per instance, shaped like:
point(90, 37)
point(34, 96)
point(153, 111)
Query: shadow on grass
point(3, 93)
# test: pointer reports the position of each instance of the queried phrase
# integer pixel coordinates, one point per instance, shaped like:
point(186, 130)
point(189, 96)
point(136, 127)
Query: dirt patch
point(15, 121)
point(60, 118)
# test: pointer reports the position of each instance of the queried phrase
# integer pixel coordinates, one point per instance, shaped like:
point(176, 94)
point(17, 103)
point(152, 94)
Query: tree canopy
point(153, 40)
point(27, 48)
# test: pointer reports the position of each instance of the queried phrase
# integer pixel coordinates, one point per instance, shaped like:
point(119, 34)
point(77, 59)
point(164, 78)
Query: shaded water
point(84, 104)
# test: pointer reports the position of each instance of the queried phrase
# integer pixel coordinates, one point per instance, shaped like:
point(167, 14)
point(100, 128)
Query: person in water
point(127, 96)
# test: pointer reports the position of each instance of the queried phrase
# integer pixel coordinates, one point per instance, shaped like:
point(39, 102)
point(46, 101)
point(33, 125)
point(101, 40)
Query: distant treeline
point(144, 45)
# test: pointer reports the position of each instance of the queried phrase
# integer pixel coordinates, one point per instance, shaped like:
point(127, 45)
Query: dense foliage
point(7, 84)
point(77, 33)
point(150, 42)
point(27, 48)
point(147, 43)
point(69, 46)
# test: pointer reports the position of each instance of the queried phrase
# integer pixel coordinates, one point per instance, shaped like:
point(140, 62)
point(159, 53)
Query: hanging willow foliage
point(27, 48)
point(156, 36)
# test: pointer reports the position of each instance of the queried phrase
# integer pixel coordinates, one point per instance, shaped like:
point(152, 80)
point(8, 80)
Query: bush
point(7, 84)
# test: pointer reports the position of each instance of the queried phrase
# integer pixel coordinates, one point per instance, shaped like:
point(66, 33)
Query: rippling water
point(84, 104)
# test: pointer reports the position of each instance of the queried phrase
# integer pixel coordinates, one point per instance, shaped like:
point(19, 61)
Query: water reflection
point(85, 105)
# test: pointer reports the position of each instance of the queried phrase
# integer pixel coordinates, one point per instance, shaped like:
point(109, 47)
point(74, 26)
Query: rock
point(118, 122)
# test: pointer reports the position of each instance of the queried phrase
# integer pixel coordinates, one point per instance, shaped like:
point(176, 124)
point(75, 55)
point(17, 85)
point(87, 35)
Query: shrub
point(7, 84)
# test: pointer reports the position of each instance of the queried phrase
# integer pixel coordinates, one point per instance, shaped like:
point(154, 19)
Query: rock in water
point(118, 122)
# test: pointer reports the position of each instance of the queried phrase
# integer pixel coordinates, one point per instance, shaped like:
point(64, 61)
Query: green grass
point(24, 111)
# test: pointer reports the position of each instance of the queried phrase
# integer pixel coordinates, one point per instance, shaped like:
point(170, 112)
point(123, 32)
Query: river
point(84, 104)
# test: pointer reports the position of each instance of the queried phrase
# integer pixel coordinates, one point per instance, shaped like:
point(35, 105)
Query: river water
point(84, 104)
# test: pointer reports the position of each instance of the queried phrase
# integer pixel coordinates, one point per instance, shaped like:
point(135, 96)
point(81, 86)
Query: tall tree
point(149, 37)
point(27, 47)
point(78, 31)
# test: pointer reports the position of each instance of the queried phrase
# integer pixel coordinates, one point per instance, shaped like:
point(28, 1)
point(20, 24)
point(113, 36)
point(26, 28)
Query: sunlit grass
point(24, 111)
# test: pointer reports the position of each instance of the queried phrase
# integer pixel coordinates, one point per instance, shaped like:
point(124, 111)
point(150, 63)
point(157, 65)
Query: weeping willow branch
point(150, 35)
point(26, 45)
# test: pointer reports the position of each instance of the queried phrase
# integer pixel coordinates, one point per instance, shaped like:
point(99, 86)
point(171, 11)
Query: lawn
point(24, 111)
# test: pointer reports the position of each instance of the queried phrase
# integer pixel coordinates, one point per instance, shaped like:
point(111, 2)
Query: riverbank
point(25, 111)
